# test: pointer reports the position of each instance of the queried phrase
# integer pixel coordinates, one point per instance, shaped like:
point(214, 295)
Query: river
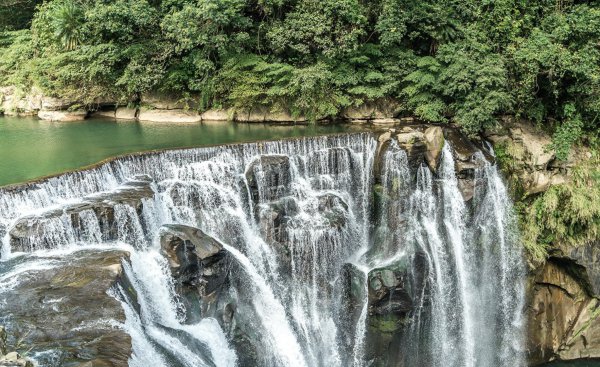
point(31, 148)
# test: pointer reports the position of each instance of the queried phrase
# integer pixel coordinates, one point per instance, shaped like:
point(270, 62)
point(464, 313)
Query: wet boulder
point(388, 292)
point(200, 268)
point(92, 219)
point(351, 285)
point(209, 284)
point(62, 311)
point(190, 251)
point(269, 177)
point(273, 219)
point(396, 294)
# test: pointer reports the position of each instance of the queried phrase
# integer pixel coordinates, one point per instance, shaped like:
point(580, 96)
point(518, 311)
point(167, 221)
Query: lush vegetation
point(565, 215)
point(465, 61)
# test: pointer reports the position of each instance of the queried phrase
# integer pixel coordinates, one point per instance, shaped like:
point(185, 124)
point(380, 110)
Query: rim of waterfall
point(356, 249)
point(21, 185)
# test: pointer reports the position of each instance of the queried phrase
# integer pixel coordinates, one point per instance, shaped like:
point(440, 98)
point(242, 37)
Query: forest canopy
point(463, 61)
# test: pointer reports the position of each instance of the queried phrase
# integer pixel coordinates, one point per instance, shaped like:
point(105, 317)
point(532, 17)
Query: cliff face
point(563, 309)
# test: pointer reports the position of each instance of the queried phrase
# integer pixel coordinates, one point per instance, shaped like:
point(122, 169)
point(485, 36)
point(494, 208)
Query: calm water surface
point(30, 148)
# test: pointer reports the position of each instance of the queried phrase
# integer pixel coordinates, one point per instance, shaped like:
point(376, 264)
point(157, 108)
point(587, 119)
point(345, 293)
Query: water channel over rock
point(349, 250)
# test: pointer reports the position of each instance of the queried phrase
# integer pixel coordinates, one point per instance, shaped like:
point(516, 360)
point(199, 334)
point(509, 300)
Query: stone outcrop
point(14, 102)
point(62, 116)
point(200, 268)
point(378, 112)
point(204, 279)
point(266, 115)
point(67, 309)
point(563, 318)
point(14, 359)
point(125, 113)
point(532, 159)
point(170, 116)
point(217, 115)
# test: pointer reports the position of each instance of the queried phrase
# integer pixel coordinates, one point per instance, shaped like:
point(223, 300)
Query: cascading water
point(291, 215)
point(474, 272)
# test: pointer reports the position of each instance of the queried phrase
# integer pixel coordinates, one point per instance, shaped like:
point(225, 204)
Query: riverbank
point(170, 109)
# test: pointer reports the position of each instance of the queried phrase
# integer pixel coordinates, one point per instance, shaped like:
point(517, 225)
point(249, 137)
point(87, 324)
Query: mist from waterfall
point(292, 214)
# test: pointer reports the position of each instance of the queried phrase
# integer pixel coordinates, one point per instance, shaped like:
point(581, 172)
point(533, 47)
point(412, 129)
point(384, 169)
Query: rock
point(255, 115)
point(14, 359)
point(382, 109)
point(468, 157)
point(563, 319)
point(172, 116)
point(66, 309)
point(200, 267)
point(161, 101)
point(352, 286)
point(18, 103)
point(393, 293)
point(56, 104)
point(334, 210)
point(209, 284)
point(216, 115)
point(434, 141)
point(588, 256)
point(62, 116)
point(105, 113)
point(413, 142)
point(269, 177)
point(273, 218)
point(183, 244)
point(283, 116)
point(388, 293)
point(124, 113)
point(47, 229)
point(385, 121)
point(531, 159)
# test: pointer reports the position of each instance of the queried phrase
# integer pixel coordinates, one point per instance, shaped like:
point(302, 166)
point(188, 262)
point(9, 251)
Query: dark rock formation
point(200, 267)
point(395, 294)
point(269, 177)
point(588, 256)
point(66, 310)
point(202, 271)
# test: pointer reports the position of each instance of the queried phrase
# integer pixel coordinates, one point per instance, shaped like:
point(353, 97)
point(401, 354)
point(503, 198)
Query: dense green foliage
point(565, 215)
point(442, 60)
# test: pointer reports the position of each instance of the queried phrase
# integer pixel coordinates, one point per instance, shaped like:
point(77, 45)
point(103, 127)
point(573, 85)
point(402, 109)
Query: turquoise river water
point(30, 148)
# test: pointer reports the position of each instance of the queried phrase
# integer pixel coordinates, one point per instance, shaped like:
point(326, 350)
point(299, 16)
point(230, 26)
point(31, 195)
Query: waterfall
point(474, 266)
point(290, 215)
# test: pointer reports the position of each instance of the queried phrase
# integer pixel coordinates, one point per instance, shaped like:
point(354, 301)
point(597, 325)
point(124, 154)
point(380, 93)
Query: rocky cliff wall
point(563, 312)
